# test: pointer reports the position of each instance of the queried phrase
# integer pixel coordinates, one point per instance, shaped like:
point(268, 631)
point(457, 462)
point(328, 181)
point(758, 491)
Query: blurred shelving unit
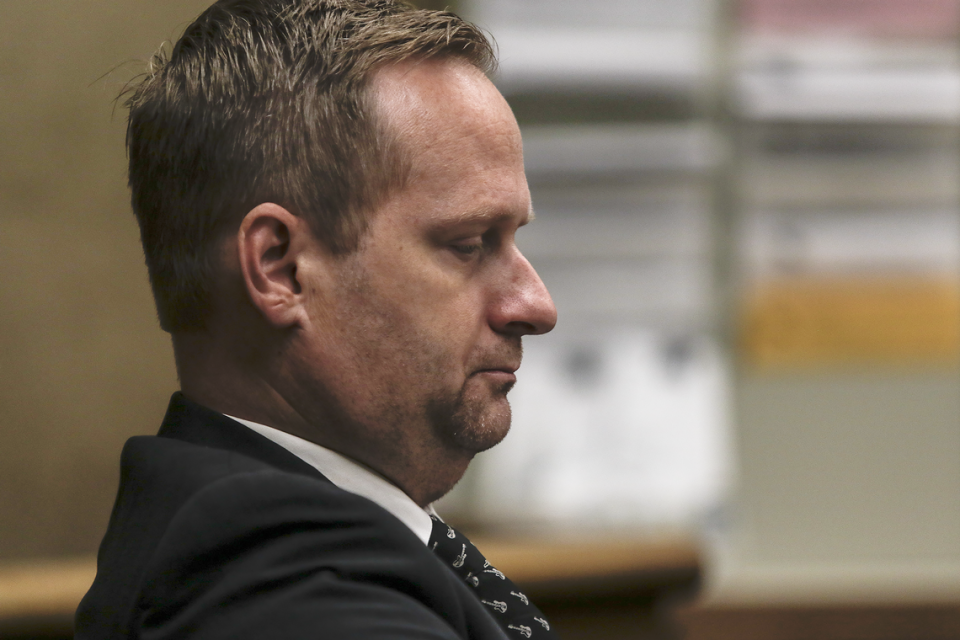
point(847, 265)
point(818, 287)
point(848, 180)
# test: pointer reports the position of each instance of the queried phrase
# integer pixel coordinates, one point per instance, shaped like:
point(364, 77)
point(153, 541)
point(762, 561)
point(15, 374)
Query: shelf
point(847, 80)
point(634, 60)
point(875, 95)
point(618, 150)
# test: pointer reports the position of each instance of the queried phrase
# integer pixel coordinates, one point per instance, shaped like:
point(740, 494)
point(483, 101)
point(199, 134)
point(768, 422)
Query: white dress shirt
point(353, 477)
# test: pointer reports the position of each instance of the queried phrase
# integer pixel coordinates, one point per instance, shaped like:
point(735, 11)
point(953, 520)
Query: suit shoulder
point(158, 478)
point(264, 499)
point(265, 546)
point(147, 460)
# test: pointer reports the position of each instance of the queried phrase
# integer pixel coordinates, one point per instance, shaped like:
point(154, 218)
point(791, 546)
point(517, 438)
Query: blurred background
point(748, 214)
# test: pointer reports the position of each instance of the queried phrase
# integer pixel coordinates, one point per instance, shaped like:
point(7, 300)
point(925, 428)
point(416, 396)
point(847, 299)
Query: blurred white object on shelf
point(627, 428)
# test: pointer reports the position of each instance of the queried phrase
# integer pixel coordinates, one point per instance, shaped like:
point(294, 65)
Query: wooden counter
point(573, 581)
point(38, 597)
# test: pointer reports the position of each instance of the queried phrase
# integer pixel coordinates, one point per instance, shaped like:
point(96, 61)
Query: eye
point(468, 247)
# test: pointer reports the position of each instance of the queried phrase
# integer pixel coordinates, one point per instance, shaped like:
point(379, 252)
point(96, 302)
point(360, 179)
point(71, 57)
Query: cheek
point(438, 343)
point(438, 305)
point(430, 311)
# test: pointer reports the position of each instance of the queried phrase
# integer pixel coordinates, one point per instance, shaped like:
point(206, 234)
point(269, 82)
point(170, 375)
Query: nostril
point(521, 328)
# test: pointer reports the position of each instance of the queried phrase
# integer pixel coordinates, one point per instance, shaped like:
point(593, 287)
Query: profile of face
point(416, 336)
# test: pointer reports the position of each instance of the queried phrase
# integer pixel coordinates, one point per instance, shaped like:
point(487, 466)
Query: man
point(328, 193)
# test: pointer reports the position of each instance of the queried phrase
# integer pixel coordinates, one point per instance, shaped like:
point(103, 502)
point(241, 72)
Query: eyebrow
point(489, 215)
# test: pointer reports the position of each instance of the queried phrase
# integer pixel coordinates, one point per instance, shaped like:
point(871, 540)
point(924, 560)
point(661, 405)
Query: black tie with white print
point(519, 617)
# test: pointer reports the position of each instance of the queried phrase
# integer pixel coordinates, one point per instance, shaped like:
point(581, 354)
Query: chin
point(473, 420)
point(481, 428)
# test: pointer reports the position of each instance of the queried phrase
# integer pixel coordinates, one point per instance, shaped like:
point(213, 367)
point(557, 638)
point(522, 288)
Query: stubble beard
point(452, 428)
point(472, 424)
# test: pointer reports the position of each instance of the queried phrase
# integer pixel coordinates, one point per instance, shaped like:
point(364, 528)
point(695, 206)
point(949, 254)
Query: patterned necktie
point(519, 617)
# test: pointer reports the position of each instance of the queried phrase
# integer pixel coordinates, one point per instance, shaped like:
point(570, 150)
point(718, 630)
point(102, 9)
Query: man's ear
point(270, 243)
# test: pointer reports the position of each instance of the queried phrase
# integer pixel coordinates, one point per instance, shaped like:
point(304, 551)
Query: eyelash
point(467, 249)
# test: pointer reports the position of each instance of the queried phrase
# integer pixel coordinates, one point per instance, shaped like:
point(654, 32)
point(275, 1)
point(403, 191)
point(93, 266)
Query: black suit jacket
point(218, 532)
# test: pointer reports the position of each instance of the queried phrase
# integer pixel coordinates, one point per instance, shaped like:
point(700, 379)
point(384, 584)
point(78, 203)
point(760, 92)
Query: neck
point(214, 374)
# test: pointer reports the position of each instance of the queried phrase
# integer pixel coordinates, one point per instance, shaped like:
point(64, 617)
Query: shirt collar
point(353, 477)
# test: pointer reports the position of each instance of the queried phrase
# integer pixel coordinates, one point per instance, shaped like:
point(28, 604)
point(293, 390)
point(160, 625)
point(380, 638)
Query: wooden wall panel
point(83, 364)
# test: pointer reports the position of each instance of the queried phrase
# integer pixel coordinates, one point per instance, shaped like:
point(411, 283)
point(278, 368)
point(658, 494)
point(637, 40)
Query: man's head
point(398, 347)
point(269, 101)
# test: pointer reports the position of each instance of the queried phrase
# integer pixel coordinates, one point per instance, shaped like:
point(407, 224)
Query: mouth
point(497, 381)
point(499, 367)
point(502, 377)
point(503, 369)
point(506, 368)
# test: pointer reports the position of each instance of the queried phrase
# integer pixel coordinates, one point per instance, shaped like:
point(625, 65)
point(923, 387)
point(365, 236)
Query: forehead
point(458, 135)
point(433, 104)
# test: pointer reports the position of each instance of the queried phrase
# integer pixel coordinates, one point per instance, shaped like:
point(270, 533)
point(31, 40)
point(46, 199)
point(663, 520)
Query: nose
point(523, 306)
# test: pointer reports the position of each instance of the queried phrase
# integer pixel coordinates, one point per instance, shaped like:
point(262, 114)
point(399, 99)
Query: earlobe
point(269, 243)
